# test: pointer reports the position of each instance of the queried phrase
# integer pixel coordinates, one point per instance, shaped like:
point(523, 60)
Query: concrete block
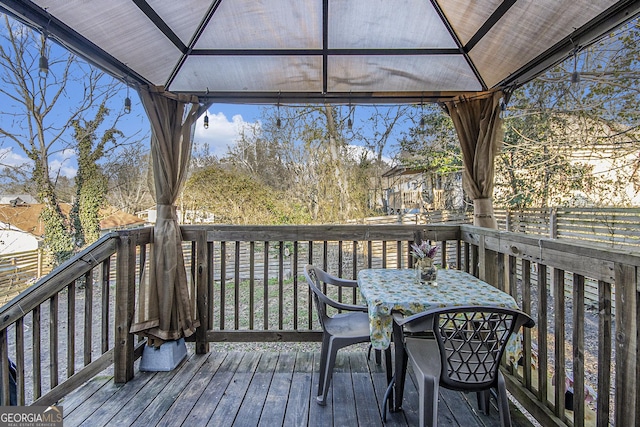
point(165, 358)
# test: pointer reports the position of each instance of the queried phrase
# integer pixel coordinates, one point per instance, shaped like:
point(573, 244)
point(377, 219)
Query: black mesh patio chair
point(460, 348)
point(349, 326)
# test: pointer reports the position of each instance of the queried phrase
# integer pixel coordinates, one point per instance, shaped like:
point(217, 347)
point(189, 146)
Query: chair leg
point(323, 364)
point(387, 395)
point(483, 401)
point(378, 355)
point(428, 408)
point(326, 373)
point(503, 402)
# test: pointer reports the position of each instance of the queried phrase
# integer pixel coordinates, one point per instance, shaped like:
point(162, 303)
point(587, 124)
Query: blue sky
point(225, 120)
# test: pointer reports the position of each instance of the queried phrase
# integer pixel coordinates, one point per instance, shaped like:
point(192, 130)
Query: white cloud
point(222, 133)
point(9, 158)
point(63, 167)
point(62, 163)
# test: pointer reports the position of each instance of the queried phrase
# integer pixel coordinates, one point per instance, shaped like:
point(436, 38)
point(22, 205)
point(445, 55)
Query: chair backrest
point(315, 278)
point(471, 340)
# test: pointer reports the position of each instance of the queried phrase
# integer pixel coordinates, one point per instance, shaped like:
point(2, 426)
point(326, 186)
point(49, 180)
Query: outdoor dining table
point(388, 291)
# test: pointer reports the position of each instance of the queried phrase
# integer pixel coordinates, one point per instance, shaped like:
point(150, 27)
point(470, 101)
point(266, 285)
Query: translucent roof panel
point(250, 74)
point(120, 28)
point(183, 16)
point(539, 24)
point(374, 24)
point(276, 24)
point(467, 17)
point(336, 51)
point(401, 74)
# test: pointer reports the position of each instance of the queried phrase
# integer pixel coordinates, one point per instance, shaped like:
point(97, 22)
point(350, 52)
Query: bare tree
point(39, 110)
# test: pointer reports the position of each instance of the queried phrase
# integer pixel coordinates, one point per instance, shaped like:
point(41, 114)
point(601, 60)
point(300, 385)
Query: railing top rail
point(538, 248)
point(358, 232)
point(60, 277)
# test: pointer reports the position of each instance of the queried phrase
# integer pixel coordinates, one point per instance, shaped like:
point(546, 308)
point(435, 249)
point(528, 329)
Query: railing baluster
point(281, 285)
point(53, 340)
point(604, 353)
point(443, 254)
point(37, 354)
point(210, 263)
point(20, 344)
point(106, 301)
point(294, 273)
point(325, 256)
point(236, 287)
point(309, 297)
point(252, 284)
point(265, 286)
point(71, 329)
point(340, 272)
point(4, 369)
point(354, 274)
point(467, 257)
point(559, 337)
point(88, 316)
point(384, 254)
point(578, 350)
point(526, 307)
point(223, 283)
point(541, 323)
point(513, 277)
point(499, 272)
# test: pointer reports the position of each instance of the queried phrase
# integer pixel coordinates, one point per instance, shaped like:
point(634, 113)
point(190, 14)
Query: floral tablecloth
point(399, 290)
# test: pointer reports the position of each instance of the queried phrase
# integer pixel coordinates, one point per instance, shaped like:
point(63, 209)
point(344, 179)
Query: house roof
point(8, 199)
point(317, 51)
point(27, 218)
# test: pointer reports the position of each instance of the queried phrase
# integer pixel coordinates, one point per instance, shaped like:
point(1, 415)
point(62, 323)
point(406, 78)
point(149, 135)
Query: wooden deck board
point(185, 403)
point(259, 388)
point(297, 412)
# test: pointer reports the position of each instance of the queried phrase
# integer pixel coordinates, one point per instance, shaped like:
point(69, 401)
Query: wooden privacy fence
point(613, 227)
point(19, 270)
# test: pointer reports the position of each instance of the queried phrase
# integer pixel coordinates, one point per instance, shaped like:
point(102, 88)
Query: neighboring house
point(13, 240)
point(17, 199)
point(189, 216)
point(415, 190)
point(22, 229)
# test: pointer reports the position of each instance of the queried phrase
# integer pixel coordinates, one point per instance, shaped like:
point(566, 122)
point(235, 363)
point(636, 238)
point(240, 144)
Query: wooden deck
point(259, 389)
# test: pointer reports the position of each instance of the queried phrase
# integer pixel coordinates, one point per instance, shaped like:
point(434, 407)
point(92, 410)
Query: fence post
point(202, 292)
point(123, 357)
point(39, 272)
point(553, 223)
point(626, 286)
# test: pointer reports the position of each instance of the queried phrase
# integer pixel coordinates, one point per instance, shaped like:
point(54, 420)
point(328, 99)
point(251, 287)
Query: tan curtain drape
point(479, 127)
point(165, 309)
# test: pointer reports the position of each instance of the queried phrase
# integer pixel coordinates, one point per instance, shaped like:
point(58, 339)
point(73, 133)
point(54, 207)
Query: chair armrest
point(346, 307)
point(345, 282)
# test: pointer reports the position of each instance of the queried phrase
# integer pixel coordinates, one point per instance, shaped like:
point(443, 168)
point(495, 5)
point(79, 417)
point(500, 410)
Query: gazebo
point(182, 56)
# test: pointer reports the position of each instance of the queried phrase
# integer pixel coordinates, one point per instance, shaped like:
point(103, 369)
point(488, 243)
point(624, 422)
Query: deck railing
point(249, 286)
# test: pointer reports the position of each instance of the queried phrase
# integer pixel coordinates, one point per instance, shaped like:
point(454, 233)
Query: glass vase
point(426, 273)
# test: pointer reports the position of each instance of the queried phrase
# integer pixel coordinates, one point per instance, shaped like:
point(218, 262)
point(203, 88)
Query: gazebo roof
point(336, 51)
